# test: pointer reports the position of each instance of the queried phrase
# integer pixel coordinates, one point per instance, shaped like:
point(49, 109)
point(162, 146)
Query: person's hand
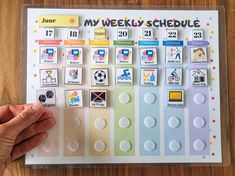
point(22, 128)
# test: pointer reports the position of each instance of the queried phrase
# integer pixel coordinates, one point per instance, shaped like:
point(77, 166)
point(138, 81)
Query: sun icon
point(72, 20)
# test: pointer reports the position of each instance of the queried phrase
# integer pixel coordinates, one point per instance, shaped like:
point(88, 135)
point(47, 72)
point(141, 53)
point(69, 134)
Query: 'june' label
point(58, 21)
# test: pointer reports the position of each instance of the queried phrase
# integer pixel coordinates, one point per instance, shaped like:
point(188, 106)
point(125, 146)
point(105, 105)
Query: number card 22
point(172, 34)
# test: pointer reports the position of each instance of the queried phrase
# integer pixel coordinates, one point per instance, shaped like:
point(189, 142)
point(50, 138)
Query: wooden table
point(11, 67)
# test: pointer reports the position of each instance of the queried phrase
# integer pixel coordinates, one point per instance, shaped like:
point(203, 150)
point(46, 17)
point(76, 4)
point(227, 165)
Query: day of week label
point(124, 42)
point(148, 43)
point(173, 43)
point(99, 42)
point(58, 21)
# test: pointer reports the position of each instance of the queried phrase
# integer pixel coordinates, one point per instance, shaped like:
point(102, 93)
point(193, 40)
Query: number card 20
point(122, 34)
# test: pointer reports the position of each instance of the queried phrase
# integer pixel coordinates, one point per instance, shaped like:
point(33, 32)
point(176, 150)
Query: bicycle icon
point(173, 77)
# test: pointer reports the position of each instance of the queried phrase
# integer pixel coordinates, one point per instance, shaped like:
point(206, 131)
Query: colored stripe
point(53, 137)
point(146, 110)
point(201, 110)
point(127, 110)
point(173, 43)
point(124, 42)
point(174, 133)
point(99, 134)
point(49, 42)
point(197, 43)
point(148, 43)
point(72, 131)
point(74, 42)
point(99, 42)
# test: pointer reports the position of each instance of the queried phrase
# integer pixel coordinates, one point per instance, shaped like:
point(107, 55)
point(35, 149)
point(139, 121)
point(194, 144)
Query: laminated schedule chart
point(126, 86)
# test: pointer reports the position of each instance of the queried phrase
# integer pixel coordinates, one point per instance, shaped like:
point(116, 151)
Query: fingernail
point(37, 107)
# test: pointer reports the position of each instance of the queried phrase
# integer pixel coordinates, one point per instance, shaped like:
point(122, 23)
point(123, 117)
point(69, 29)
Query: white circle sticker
point(174, 145)
point(199, 122)
point(199, 145)
point(149, 145)
point(100, 123)
point(149, 122)
point(124, 98)
point(48, 146)
point(125, 145)
point(149, 98)
point(73, 145)
point(174, 122)
point(199, 98)
point(76, 122)
point(124, 122)
point(99, 146)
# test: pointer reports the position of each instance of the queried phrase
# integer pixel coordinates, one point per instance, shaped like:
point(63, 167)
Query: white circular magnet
point(199, 98)
point(149, 145)
point(199, 122)
point(174, 145)
point(125, 146)
point(100, 123)
point(99, 146)
point(48, 146)
point(149, 122)
point(174, 122)
point(124, 122)
point(124, 98)
point(199, 145)
point(149, 98)
point(76, 122)
point(73, 145)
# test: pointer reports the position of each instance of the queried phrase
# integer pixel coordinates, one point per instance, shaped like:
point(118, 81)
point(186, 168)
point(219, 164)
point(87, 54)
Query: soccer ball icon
point(100, 75)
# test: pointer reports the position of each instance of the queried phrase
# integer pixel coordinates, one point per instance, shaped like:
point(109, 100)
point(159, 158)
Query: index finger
point(7, 112)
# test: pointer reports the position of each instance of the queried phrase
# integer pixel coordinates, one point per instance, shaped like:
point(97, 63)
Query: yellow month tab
point(99, 33)
point(58, 21)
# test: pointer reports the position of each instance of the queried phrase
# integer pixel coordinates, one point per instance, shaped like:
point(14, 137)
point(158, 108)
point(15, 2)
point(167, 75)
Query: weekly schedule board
point(126, 86)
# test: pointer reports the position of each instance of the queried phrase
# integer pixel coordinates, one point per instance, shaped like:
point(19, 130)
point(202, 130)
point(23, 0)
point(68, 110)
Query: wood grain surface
point(12, 66)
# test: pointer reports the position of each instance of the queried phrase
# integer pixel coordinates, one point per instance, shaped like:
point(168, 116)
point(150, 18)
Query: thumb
point(27, 117)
